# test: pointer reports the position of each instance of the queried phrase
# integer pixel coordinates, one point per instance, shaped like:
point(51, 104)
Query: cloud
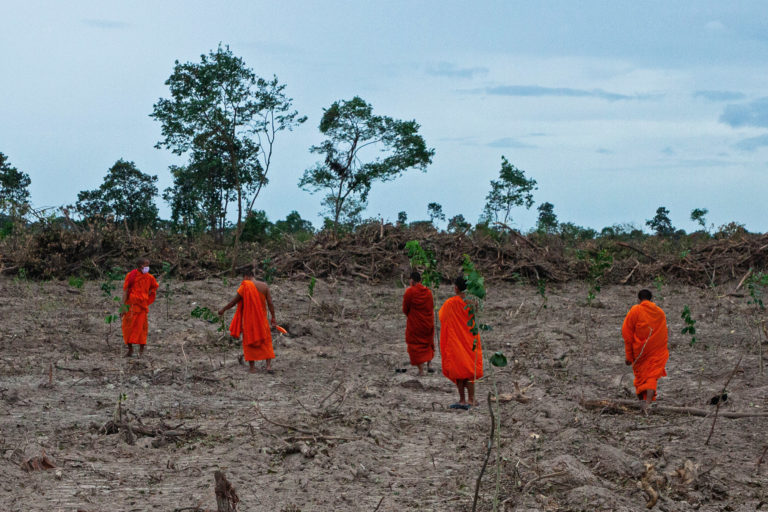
point(719, 95)
point(508, 142)
point(754, 113)
point(714, 26)
point(669, 151)
point(753, 143)
point(105, 24)
point(537, 90)
point(604, 151)
point(453, 71)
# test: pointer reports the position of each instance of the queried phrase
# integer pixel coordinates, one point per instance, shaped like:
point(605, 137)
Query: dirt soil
point(336, 428)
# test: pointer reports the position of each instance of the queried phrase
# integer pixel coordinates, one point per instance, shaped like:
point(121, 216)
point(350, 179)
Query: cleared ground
point(336, 428)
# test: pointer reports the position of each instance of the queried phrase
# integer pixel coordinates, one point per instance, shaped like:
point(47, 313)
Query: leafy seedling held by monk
point(167, 292)
point(108, 291)
point(474, 297)
point(209, 316)
point(424, 259)
point(690, 324)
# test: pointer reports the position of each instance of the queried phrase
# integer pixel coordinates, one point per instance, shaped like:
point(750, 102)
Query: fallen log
point(624, 406)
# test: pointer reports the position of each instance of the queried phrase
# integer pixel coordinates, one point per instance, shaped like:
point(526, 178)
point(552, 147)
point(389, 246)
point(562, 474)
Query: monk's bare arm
point(231, 304)
point(271, 307)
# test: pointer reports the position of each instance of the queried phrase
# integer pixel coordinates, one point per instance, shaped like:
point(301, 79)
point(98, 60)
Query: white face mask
point(144, 270)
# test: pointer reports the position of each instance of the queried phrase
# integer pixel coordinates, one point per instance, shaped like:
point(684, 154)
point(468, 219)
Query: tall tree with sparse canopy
point(351, 165)
point(547, 221)
point(512, 189)
point(13, 188)
point(660, 223)
point(127, 194)
point(219, 108)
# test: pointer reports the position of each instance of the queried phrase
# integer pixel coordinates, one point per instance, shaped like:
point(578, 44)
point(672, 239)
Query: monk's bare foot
point(240, 359)
point(130, 352)
point(252, 370)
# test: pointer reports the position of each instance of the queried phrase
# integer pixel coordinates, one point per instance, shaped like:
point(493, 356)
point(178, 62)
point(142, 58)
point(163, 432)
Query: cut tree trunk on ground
point(226, 497)
point(624, 406)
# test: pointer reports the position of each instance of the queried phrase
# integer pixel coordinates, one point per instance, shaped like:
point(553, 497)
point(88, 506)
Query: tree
point(127, 194)
point(547, 222)
point(349, 169)
point(435, 211)
point(512, 189)
point(402, 218)
point(222, 112)
point(293, 223)
point(458, 224)
point(660, 223)
point(13, 188)
point(202, 192)
point(699, 215)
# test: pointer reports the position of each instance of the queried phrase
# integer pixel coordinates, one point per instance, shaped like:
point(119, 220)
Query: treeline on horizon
point(225, 119)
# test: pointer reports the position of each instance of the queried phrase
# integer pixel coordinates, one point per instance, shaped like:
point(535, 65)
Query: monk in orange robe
point(461, 351)
point(645, 344)
point(419, 309)
point(250, 320)
point(139, 291)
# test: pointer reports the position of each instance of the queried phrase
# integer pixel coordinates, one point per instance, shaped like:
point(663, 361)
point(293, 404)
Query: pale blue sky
point(614, 107)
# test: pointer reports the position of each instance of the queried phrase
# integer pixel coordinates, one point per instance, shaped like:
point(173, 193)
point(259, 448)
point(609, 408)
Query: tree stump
point(226, 497)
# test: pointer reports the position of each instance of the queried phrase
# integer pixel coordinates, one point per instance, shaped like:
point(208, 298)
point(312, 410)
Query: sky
point(614, 107)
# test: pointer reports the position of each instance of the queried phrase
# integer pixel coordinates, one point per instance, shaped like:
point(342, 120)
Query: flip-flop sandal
point(271, 372)
point(463, 407)
point(430, 370)
point(400, 370)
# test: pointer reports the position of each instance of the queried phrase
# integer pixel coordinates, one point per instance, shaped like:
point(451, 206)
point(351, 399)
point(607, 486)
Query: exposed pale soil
point(356, 435)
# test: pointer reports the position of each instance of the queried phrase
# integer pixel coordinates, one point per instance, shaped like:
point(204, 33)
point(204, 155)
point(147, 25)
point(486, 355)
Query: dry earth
point(339, 429)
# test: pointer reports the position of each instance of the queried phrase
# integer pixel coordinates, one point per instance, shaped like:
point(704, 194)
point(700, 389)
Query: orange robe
point(142, 290)
point(645, 343)
point(419, 308)
point(250, 320)
point(460, 361)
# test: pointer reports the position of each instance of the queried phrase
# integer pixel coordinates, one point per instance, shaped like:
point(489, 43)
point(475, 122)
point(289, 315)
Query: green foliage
point(402, 218)
point(512, 189)
point(690, 324)
point(209, 316)
point(349, 168)
point(541, 288)
point(311, 287)
point(14, 184)
point(435, 211)
point(424, 258)
point(547, 221)
point(498, 359)
point(108, 288)
point(226, 119)
point(597, 265)
point(572, 233)
point(475, 281)
point(257, 227)
point(658, 283)
point(756, 284)
point(458, 224)
point(698, 215)
point(127, 194)
point(660, 223)
point(76, 282)
point(268, 269)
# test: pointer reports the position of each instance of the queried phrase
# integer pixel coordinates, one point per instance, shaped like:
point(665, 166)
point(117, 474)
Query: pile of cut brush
point(376, 252)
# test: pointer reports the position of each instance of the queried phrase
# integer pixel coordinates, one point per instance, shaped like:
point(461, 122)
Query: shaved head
point(644, 295)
